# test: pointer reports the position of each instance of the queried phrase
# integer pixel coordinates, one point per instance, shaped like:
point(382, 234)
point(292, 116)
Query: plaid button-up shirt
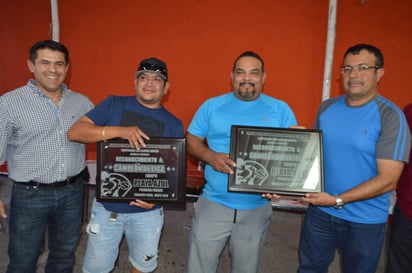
point(33, 134)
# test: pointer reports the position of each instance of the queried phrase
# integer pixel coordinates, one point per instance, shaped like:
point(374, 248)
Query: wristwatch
point(339, 202)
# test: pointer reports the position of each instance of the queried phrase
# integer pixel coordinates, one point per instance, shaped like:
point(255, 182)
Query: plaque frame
point(292, 163)
point(290, 203)
point(166, 184)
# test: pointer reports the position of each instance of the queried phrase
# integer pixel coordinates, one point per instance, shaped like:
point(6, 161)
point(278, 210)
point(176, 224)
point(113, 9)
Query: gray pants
point(214, 225)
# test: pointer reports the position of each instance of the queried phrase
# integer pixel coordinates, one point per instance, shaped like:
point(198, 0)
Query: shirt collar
point(32, 85)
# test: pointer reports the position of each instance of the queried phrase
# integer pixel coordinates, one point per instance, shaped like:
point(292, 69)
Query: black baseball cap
point(152, 65)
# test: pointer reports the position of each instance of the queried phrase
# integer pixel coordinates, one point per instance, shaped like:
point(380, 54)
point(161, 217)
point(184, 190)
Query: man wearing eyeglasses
point(136, 119)
point(366, 144)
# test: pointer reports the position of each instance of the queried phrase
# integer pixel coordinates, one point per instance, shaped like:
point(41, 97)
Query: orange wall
point(199, 40)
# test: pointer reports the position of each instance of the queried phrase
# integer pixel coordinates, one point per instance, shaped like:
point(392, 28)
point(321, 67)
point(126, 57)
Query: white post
point(55, 21)
point(330, 43)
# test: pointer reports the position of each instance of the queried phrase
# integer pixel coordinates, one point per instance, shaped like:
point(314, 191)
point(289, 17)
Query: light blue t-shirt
point(213, 121)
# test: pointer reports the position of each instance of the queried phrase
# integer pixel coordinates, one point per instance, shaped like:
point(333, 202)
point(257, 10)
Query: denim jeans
point(360, 245)
point(34, 209)
point(105, 232)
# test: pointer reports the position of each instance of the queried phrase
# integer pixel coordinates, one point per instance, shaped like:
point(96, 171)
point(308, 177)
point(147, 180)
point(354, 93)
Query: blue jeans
point(105, 232)
point(360, 245)
point(32, 209)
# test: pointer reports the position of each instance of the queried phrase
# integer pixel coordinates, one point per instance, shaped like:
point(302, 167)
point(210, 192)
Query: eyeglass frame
point(358, 68)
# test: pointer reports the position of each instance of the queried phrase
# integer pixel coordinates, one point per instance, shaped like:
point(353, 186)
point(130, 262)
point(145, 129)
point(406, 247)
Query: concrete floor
point(279, 253)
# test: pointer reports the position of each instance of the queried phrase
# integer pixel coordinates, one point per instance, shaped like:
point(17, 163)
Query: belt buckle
point(68, 181)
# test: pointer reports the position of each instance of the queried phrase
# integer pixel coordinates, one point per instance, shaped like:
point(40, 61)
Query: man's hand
point(320, 199)
point(142, 204)
point(298, 127)
point(271, 196)
point(222, 163)
point(134, 135)
point(3, 212)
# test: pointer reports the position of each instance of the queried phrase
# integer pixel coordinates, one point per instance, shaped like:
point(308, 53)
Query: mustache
point(250, 83)
point(354, 81)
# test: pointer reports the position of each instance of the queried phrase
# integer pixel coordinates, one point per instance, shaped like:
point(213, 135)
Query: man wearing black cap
point(135, 118)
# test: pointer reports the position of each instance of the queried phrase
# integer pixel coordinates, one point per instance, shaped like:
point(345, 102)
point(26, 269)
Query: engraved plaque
point(276, 160)
point(155, 173)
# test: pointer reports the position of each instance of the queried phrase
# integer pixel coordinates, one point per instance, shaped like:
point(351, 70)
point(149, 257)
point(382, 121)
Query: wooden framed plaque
point(155, 173)
point(276, 160)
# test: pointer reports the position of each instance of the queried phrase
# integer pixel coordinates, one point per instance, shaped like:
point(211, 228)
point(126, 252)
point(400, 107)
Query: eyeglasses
point(347, 69)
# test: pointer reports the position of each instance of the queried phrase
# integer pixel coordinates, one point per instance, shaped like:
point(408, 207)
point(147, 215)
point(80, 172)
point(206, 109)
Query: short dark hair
point(249, 54)
point(49, 44)
point(370, 48)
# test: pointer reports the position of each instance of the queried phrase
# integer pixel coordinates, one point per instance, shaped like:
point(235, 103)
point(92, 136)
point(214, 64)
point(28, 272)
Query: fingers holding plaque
point(155, 173)
point(276, 160)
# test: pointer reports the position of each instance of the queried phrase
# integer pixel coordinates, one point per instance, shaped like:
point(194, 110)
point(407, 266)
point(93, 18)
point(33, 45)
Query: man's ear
point(167, 85)
point(264, 78)
point(30, 65)
point(379, 73)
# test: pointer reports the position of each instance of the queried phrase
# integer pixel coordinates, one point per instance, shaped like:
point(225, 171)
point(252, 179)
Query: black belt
point(57, 184)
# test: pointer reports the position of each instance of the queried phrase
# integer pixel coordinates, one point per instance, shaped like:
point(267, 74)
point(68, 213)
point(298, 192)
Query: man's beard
point(248, 92)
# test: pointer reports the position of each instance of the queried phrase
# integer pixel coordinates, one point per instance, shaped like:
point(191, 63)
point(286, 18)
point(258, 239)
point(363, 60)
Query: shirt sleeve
point(5, 130)
point(199, 126)
point(100, 114)
point(395, 141)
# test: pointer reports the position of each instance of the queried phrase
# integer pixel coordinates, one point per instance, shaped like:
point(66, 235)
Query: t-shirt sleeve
point(395, 140)
point(199, 125)
point(99, 115)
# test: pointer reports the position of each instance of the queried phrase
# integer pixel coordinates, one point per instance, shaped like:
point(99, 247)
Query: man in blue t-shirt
point(242, 219)
point(366, 142)
point(135, 118)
